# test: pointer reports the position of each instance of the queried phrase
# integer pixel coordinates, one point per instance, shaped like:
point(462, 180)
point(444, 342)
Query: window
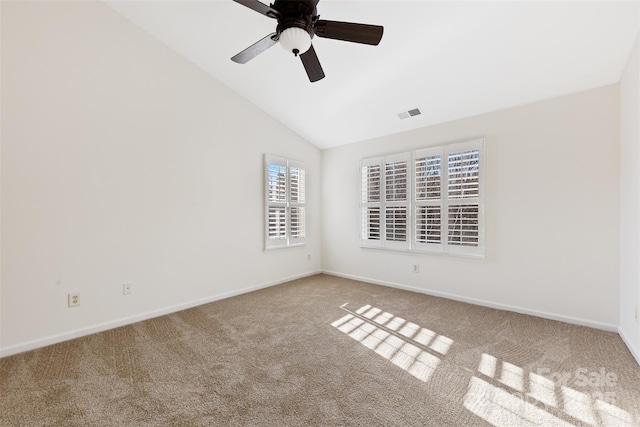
point(429, 200)
point(285, 202)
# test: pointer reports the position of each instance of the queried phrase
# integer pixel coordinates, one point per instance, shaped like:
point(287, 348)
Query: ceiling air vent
point(410, 113)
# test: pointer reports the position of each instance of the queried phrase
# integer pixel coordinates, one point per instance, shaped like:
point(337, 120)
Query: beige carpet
point(328, 351)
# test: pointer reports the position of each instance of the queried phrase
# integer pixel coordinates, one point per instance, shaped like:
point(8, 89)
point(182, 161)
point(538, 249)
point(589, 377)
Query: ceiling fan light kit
point(295, 40)
point(298, 22)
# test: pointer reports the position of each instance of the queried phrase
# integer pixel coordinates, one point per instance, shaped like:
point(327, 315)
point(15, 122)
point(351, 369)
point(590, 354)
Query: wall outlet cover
point(73, 299)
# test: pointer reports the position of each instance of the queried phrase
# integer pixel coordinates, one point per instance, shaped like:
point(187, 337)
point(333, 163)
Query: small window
point(285, 202)
point(429, 200)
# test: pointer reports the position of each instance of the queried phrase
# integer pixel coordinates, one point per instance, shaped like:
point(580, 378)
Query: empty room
point(333, 213)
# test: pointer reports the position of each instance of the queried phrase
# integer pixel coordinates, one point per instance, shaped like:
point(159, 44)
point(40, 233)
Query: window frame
point(415, 203)
point(290, 203)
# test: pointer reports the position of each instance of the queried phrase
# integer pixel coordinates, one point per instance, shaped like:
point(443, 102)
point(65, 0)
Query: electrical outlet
point(308, 257)
point(73, 300)
point(416, 268)
point(127, 288)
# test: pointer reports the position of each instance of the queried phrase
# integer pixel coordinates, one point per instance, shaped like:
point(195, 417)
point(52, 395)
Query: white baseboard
point(634, 351)
point(54, 339)
point(545, 315)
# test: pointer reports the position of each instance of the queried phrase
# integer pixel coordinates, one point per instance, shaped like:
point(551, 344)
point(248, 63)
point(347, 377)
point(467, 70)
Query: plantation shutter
point(297, 202)
point(396, 201)
point(371, 203)
point(428, 199)
point(464, 209)
point(285, 202)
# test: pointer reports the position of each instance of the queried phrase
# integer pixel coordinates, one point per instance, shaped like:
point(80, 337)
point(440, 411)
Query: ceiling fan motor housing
point(305, 23)
point(292, 8)
point(301, 14)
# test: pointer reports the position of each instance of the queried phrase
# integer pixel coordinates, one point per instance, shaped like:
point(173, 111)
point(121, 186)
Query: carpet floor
point(328, 351)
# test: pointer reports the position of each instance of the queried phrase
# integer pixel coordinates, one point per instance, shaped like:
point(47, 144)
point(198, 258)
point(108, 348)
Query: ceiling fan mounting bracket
point(295, 8)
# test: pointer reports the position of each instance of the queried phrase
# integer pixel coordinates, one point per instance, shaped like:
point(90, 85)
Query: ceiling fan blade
point(255, 49)
point(260, 8)
point(349, 31)
point(312, 65)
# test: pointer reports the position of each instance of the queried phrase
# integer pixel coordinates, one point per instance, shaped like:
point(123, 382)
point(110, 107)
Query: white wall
point(118, 165)
point(551, 211)
point(630, 201)
point(0, 182)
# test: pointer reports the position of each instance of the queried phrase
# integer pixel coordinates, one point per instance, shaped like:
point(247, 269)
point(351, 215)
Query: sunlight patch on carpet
point(405, 344)
point(504, 394)
point(504, 409)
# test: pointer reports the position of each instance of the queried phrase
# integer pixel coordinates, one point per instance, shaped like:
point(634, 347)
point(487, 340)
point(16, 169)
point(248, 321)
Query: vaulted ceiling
point(449, 59)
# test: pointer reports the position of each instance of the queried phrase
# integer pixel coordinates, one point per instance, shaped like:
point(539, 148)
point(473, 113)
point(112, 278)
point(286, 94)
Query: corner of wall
point(629, 236)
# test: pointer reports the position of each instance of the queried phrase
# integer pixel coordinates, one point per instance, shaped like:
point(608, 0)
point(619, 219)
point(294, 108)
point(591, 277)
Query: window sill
point(437, 254)
point(278, 248)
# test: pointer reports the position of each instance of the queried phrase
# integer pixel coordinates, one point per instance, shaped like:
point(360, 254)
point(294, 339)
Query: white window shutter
point(297, 196)
point(285, 198)
point(428, 200)
point(277, 222)
point(464, 195)
point(397, 192)
point(371, 202)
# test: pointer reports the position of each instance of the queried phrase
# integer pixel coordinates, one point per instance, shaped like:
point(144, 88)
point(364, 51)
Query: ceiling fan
point(298, 22)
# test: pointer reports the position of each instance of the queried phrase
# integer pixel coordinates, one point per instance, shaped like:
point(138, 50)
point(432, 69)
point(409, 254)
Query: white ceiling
point(450, 59)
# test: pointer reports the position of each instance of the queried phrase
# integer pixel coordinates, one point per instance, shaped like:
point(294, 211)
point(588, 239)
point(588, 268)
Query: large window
point(285, 202)
point(429, 200)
